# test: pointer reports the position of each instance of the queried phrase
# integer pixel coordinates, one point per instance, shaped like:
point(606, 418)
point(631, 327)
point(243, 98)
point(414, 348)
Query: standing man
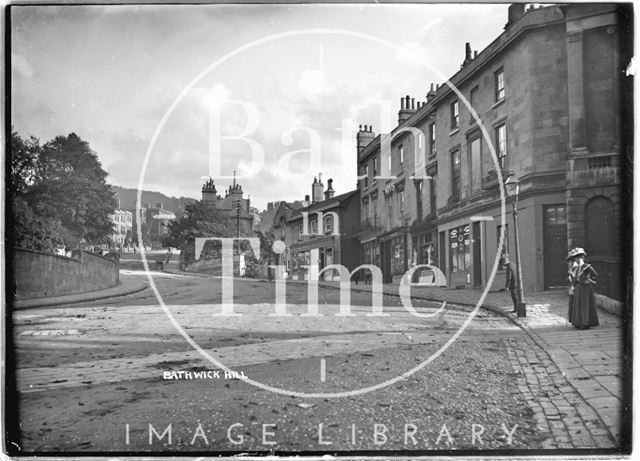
point(510, 282)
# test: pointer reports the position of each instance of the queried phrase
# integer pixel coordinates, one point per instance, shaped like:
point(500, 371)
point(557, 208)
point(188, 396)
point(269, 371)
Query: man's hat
point(571, 254)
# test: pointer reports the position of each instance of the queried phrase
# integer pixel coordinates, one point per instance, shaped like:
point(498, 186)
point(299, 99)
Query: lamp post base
point(521, 309)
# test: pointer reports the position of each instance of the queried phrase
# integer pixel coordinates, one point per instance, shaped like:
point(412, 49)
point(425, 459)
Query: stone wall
point(37, 274)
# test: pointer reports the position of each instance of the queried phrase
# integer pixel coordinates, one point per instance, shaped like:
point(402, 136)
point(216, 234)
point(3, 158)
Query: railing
point(609, 281)
point(594, 170)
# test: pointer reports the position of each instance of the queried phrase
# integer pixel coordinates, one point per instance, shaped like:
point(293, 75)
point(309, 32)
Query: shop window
point(397, 256)
point(460, 248)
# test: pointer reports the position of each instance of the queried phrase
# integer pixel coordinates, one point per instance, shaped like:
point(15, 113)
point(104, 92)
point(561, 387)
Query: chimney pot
point(467, 54)
point(413, 103)
point(516, 10)
point(475, 54)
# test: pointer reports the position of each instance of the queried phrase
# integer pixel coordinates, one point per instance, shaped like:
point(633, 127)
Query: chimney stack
point(329, 193)
point(516, 11)
point(317, 189)
point(407, 107)
point(432, 92)
point(467, 54)
point(364, 137)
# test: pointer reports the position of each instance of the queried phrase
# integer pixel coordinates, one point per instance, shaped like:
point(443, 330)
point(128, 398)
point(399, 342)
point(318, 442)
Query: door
point(555, 245)
point(385, 257)
point(442, 247)
point(477, 255)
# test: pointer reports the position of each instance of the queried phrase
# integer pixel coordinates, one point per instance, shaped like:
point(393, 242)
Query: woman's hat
point(576, 252)
point(580, 251)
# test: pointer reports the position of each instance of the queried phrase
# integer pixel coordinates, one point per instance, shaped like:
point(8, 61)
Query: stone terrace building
point(551, 92)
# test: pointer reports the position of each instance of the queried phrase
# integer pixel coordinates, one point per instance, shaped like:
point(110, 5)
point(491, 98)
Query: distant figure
point(134, 250)
point(582, 299)
point(510, 281)
point(168, 256)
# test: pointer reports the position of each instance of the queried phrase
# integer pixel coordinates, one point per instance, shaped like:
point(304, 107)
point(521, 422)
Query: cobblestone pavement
point(591, 360)
point(559, 409)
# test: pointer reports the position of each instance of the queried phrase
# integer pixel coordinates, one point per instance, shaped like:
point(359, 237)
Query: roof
point(330, 203)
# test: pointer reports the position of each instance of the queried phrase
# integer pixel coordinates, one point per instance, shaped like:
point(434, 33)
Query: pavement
point(129, 284)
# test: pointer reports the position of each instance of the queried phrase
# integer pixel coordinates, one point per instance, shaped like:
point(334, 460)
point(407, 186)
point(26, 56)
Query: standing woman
point(572, 281)
point(582, 311)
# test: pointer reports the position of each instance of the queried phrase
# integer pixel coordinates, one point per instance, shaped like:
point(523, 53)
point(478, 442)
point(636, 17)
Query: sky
point(208, 89)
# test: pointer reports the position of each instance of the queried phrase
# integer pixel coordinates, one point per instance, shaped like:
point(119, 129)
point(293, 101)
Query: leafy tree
point(257, 267)
point(201, 220)
point(23, 160)
point(61, 182)
point(32, 231)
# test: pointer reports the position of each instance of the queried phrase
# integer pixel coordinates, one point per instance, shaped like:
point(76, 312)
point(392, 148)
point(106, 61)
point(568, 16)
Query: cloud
point(313, 84)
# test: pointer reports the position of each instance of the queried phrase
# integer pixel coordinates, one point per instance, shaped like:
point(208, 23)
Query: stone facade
point(233, 204)
point(318, 232)
point(549, 94)
point(122, 228)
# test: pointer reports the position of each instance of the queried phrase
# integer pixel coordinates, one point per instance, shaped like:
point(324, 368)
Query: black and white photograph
point(321, 230)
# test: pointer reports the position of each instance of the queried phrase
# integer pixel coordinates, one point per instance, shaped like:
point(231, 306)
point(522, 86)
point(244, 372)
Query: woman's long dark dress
point(582, 304)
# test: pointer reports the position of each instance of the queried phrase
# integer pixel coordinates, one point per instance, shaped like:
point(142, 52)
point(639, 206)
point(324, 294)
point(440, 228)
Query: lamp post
point(512, 187)
point(237, 205)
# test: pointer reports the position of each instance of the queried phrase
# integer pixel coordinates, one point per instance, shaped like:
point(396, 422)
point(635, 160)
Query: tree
point(257, 267)
point(23, 160)
point(32, 231)
point(199, 220)
point(61, 182)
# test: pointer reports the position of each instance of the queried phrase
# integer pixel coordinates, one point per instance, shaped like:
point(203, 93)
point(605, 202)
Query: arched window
point(328, 224)
point(601, 235)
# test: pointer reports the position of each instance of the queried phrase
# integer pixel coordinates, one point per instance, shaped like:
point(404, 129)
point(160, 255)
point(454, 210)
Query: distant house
point(122, 227)
point(233, 204)
point(321, 233)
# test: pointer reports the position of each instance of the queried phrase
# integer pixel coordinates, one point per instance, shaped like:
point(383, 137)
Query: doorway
point(555, 245)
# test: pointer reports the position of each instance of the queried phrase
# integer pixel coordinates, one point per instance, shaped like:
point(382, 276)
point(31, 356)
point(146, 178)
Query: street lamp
point(237, 205)
point(512, 187)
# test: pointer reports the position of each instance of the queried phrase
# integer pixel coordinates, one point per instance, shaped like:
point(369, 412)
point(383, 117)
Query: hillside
point(128, 200)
